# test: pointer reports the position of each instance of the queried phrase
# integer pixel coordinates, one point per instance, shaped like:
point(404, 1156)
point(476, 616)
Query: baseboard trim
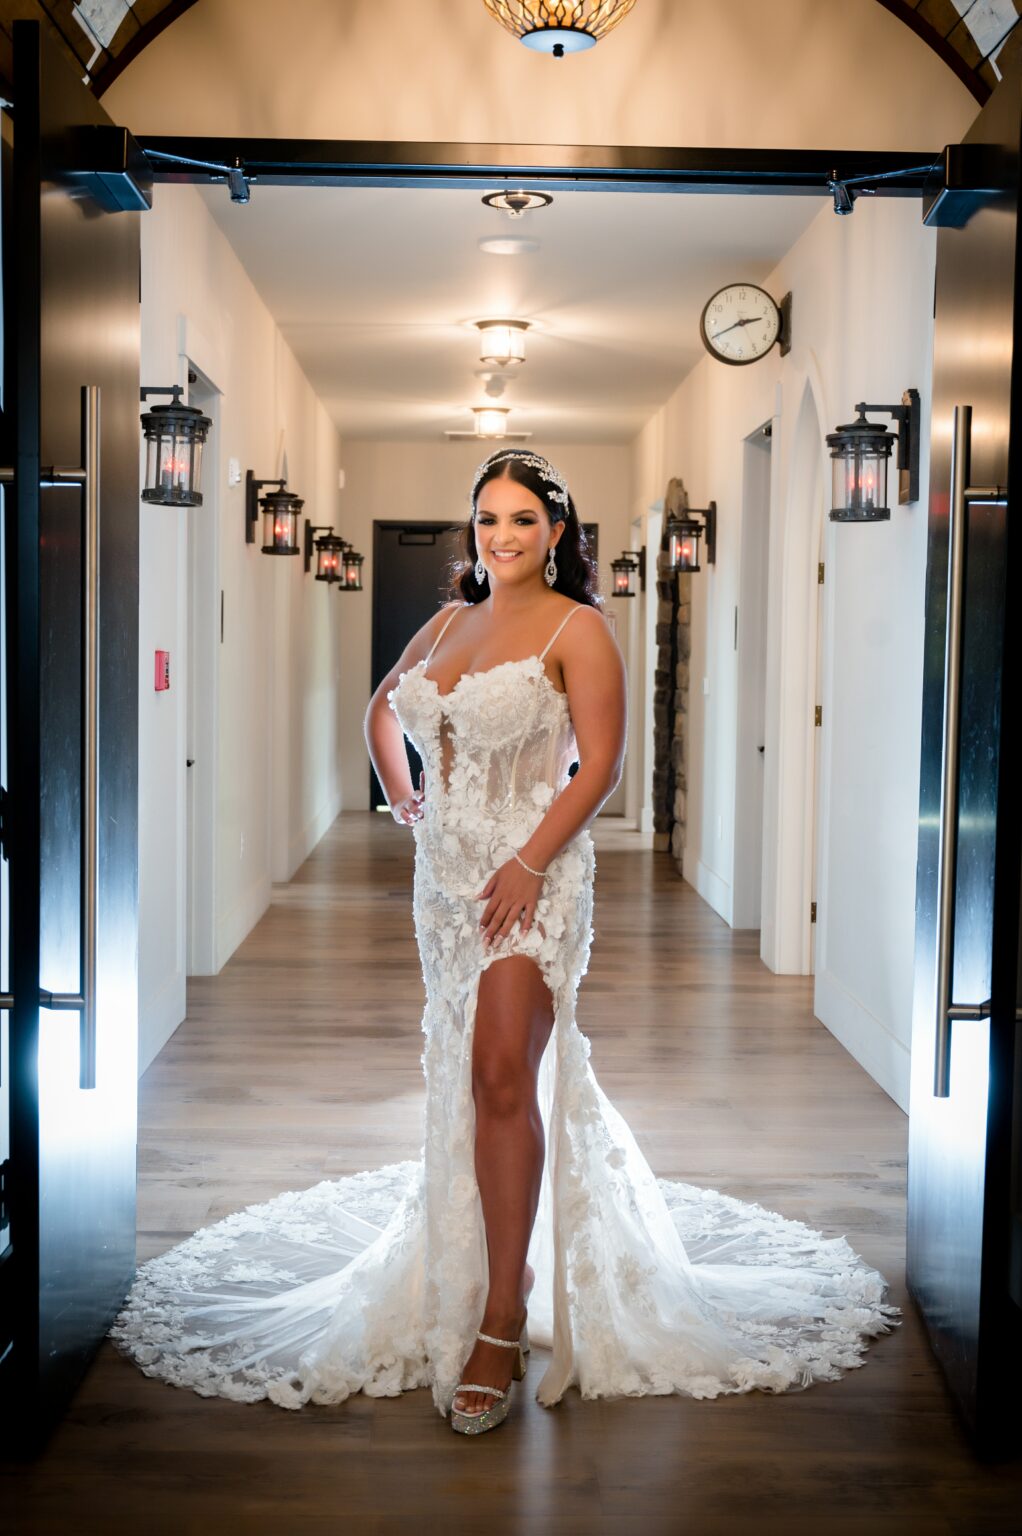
point(877, 1050)
point(303, 842)
point(237, 924)
point(714, 891)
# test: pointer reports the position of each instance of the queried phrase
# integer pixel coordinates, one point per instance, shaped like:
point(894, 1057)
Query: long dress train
point(377, 1282)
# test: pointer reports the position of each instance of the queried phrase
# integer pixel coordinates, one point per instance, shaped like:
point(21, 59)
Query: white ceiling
point(372, 287)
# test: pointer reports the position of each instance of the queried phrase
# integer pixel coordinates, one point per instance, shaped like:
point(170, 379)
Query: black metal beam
point(579, 167)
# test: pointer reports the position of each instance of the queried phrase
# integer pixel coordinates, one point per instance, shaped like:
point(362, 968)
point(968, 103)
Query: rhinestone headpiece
point(544, 469)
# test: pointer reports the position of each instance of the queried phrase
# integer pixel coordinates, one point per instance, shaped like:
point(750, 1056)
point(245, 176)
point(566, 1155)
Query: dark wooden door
point(411, 571)
point(71, 313)
point(966, 1089)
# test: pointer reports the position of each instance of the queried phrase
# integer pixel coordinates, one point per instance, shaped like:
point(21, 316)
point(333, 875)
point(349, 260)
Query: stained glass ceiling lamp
point(558, 27)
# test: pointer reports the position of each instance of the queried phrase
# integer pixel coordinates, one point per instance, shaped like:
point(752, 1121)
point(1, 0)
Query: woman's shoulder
point(595, 622)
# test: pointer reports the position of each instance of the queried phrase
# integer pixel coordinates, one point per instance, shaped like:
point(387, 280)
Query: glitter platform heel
point(488, 1418)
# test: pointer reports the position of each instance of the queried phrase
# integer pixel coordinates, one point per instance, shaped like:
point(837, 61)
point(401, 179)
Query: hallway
point(300, 1062)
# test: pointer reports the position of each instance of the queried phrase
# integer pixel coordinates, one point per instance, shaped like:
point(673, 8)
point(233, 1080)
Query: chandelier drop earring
point(550, 570)
point(480, 570)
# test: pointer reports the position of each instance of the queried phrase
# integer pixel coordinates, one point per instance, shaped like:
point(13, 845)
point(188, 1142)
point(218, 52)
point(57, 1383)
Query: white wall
point(277, 672)
point(794, 72)
point(862, 328)
point(432, 481)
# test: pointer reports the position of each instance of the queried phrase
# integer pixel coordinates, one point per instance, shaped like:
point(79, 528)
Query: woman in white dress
point(531, 1191)
point(513, 619)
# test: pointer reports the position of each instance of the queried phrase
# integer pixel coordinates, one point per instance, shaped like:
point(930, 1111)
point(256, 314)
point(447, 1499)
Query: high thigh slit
point(377, 1282)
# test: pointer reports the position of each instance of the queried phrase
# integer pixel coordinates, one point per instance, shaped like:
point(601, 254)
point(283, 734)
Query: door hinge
point(3, 822)
point(819, 714)
point(812, 911)
point(819, 573)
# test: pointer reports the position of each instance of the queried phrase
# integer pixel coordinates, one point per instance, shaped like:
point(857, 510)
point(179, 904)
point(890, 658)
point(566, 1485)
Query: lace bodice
point(496, 748)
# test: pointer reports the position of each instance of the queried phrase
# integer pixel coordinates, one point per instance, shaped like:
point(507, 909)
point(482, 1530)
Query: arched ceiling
point(103, 36)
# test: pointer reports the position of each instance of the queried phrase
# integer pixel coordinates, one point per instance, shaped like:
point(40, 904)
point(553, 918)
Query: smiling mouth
point(505, 554)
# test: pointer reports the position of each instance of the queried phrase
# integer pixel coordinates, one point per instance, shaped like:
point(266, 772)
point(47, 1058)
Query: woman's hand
point(512, 893)
point(409, 810)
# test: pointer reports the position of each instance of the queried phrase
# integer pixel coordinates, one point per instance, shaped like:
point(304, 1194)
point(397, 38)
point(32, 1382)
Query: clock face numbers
point(740, 324)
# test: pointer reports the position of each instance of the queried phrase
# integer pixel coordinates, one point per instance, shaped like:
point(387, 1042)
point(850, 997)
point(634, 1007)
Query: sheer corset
point(500, 737)
point(496, 748)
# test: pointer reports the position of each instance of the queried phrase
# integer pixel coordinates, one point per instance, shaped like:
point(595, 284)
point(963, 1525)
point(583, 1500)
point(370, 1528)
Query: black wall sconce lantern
point(329, 553)
point(624, 572)
point(174, 435)
point(312, 529)
point(683, 535)
point(281, 511)
point(860, 451)
point(351, 570)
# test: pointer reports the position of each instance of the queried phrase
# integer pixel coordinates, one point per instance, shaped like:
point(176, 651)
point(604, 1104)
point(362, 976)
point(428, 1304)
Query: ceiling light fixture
point(559, 26)
point(502, 342)
point(491, 420)
point(508, 245)
point(514, 204)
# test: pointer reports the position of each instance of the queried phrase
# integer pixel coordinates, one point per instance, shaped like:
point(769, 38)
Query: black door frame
point(569, 167)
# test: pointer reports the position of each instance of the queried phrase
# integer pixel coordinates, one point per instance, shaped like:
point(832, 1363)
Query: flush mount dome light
point(559, 26)
point(502, 342)
point(491, 420)
point(508, 245)
point(514, 204)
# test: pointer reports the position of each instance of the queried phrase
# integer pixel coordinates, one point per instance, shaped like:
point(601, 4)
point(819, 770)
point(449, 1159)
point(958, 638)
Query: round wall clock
point(740, 323)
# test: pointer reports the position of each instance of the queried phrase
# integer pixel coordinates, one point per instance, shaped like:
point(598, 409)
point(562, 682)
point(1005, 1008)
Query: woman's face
point(513, 532)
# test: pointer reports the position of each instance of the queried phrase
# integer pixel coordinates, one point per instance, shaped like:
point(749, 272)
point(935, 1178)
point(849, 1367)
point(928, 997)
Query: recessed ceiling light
point(508, 245)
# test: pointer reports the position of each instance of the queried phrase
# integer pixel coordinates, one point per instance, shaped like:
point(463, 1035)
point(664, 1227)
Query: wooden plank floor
point(301, 1060)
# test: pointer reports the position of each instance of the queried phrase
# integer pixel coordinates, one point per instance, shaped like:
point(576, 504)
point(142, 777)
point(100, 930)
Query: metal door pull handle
point(962, 494)
point(87, 477)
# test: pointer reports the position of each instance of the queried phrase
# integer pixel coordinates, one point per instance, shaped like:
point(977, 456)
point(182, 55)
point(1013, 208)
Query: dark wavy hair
point(577, 574)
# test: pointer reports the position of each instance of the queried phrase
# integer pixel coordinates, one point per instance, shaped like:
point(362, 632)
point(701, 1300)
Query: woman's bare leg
point(514, 1016)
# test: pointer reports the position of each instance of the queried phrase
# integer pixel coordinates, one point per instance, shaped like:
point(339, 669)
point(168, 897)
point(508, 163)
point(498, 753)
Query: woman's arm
point(383, 733)
point(594, 679)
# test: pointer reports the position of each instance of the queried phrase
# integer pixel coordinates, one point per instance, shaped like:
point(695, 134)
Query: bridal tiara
point(544, 469)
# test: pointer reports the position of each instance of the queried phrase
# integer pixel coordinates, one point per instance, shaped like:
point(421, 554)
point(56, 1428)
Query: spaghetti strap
point(569, 615)
point(443, 630)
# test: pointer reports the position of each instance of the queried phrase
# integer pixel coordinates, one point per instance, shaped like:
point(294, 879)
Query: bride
point(531, 1208)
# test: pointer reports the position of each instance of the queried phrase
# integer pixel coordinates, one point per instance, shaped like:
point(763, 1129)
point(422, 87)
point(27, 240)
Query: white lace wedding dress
point(376, 1283)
